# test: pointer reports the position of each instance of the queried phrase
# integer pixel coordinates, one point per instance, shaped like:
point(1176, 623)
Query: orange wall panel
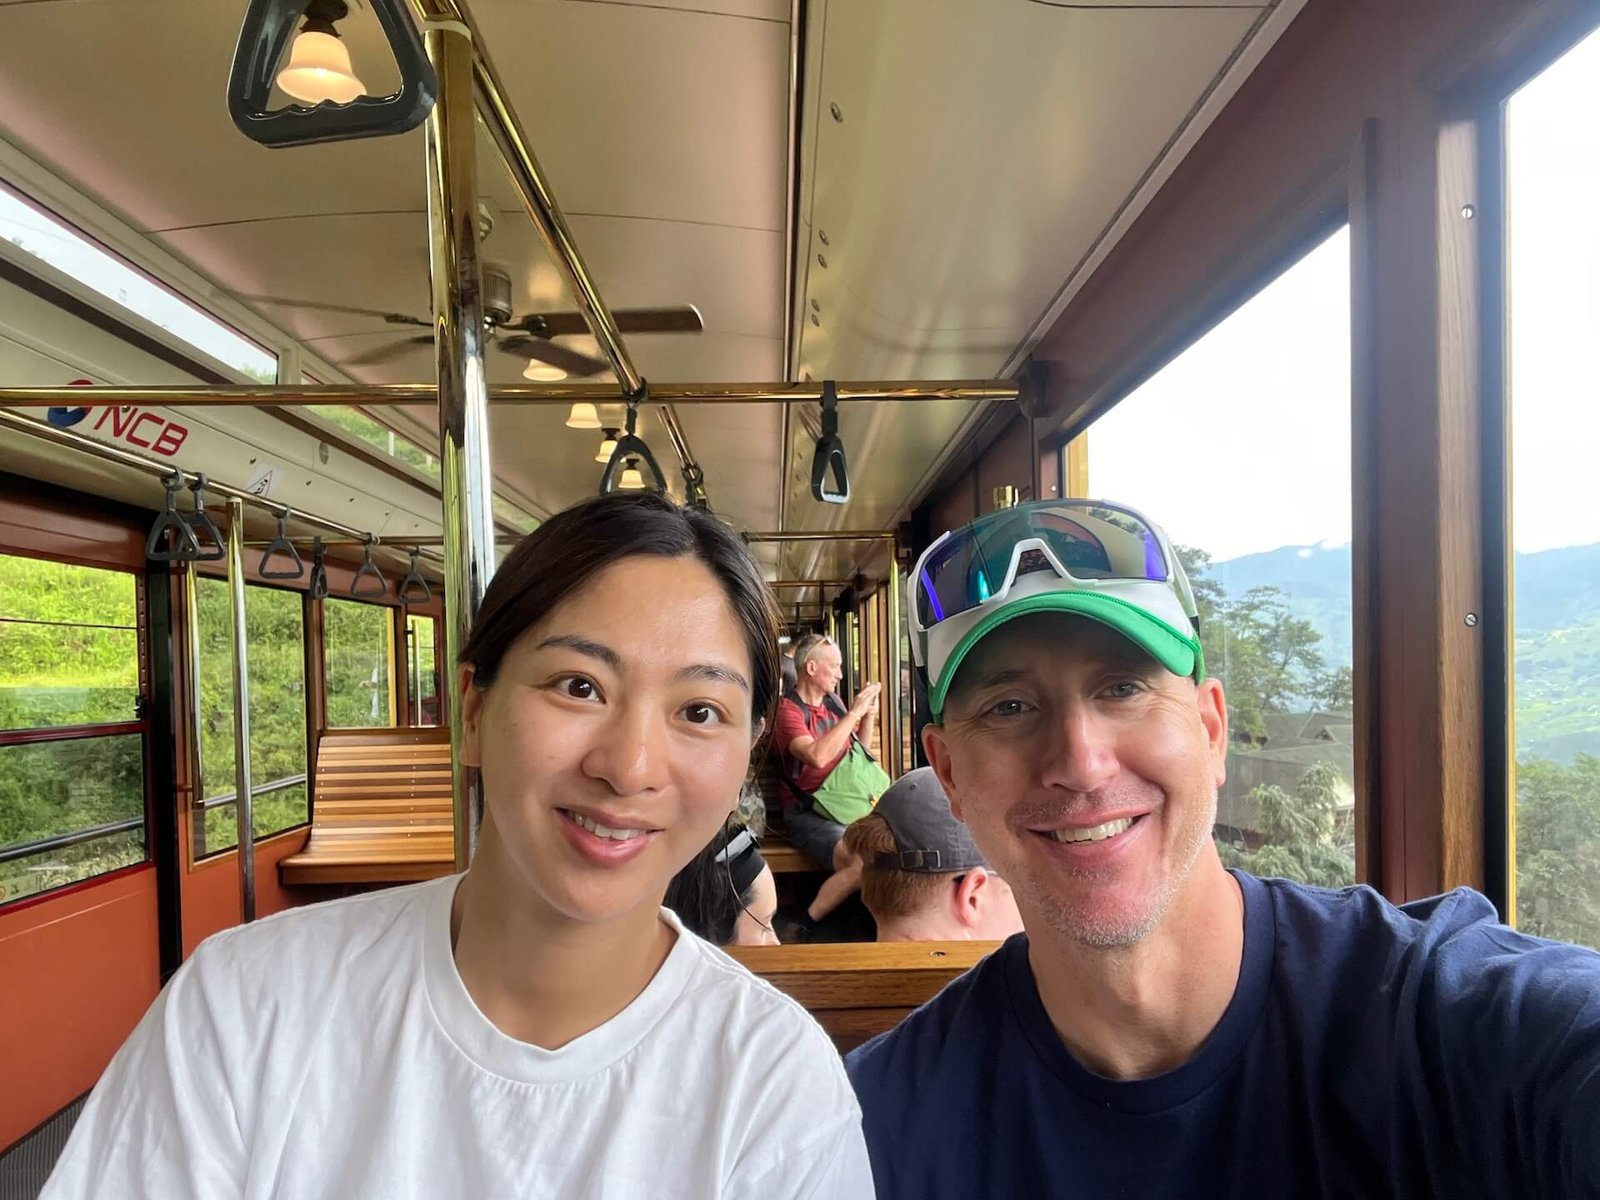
point(76, 973)
point(211, 889)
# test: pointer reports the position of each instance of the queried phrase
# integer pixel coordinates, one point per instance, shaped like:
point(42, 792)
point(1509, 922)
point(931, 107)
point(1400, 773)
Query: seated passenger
point(727, 894)
point(1167, 1027)
point(539, 1026)
point(830, 777)
point(923, 878)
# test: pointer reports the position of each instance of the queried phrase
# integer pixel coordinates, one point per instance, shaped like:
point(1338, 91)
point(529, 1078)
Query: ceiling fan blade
point(570, 361)
point(681, 318)
point(393, 350)
point(393, 318)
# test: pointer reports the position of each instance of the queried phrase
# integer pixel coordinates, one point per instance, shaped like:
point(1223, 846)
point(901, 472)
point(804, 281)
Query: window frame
point(140, 725)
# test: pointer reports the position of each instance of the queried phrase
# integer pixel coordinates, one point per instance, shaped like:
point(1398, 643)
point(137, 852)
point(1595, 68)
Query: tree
point(1558, 849)
point(1307, 835)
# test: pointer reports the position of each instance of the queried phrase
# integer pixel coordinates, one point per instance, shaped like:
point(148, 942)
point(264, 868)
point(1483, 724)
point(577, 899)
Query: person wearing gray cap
point(1166, 1027)
point(923, 878)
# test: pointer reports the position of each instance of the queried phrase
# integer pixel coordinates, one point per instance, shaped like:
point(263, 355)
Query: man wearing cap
point(923, 878)
point(1166, 1027)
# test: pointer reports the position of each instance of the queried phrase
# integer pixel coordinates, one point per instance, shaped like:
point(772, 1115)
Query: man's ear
point(1213, 705)
point(470, 697)
point(972, 893)
point(937, 747)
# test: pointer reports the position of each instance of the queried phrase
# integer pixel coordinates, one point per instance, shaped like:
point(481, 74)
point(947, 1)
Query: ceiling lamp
point(583, 416)
point(319, 65)
point(543, 372)
point(607, 447)
point(632, 480)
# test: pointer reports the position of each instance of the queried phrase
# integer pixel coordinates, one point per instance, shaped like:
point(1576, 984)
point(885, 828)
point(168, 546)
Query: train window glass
point(1553, 173)
point(51, 240)
point(422, 668)
point(1240, 447)
point(71, 733)
point(275, 629)
point(69, 644)
point(380, 437)
point(357, 651)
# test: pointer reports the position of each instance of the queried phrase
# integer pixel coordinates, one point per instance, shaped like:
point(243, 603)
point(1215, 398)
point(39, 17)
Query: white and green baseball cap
point(1090, 558)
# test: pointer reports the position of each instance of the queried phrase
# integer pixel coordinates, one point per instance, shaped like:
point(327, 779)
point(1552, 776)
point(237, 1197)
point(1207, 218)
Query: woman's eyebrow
point(598, 650)
point(716, 672)
point(583, 645)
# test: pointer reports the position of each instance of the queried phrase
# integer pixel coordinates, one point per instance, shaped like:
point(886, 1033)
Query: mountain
point(1557, 631)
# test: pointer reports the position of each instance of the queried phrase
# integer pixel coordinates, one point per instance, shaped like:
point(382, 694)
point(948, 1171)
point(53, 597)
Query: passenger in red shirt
point(812, 735)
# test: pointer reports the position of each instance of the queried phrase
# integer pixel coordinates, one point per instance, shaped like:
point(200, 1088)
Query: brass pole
point(244, 802)
point(463, 385)
point(536, 395)
point(851, 535)
point(891, 685)
point(807, 583)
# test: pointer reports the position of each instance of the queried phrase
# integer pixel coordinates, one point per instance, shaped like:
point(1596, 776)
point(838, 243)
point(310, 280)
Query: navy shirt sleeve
point(1509, 1026)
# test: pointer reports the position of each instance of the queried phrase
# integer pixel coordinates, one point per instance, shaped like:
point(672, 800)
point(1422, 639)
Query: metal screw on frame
point(1471, 619)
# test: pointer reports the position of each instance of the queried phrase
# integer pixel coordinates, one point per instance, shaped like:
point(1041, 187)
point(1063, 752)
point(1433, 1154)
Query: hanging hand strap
point(318, 584)
point(281, 545)
point(269, 27)
point(379, 586)
point(694, 487)
point(830, 453)
point(413, 588)
point(630, 445)
point(200, 523)
point(185, 548)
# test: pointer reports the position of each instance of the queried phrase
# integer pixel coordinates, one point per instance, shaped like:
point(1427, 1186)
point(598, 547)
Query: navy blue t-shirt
point(1368, 1051)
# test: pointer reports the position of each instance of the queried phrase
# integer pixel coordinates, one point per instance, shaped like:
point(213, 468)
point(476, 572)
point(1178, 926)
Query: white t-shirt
point(333, 1051)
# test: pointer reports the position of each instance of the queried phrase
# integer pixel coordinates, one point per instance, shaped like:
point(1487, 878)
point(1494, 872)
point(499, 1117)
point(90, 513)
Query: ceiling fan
point(527, 336)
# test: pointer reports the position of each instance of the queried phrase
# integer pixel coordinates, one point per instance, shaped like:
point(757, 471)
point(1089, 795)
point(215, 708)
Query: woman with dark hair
point(539, 1026)
point(727, 894)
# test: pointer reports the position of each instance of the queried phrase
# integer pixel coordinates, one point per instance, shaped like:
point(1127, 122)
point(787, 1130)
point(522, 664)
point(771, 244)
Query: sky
point(1253, 451)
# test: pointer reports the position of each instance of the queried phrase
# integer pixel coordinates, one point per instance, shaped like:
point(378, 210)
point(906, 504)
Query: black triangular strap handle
point(829, 454)
point(281, 545)
point(200, 523)
point(369, 570)
point(630, 445)
point(269, 27)
point(318, 585)
point(694, 487)
point(185, 548)
point(413, 589)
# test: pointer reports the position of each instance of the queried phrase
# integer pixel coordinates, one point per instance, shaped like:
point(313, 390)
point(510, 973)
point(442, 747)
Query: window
point(422, 669)
point(1553, 171)
point(72, 799)
point(379, 436)
point(1240, 448)
point(358, 649)
point(53, 241)
point(275, 634)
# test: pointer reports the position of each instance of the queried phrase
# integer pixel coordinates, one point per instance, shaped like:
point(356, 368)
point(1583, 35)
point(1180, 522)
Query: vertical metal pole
point(243, 807)
point(463, 388)
point(896, 755)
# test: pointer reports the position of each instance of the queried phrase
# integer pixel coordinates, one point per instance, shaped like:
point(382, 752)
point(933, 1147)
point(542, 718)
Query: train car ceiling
point(960, 171)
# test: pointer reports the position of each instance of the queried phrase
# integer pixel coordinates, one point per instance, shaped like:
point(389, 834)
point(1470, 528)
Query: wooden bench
point(857, 990)
point(380, 809)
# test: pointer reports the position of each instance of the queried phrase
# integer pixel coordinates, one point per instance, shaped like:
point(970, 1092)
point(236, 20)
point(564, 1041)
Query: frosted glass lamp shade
point(319, 69)
point(542, 372)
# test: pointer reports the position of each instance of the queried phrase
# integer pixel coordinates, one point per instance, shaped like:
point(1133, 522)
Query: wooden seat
point(857, 990)
point(784, 857)
point(380, 809)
